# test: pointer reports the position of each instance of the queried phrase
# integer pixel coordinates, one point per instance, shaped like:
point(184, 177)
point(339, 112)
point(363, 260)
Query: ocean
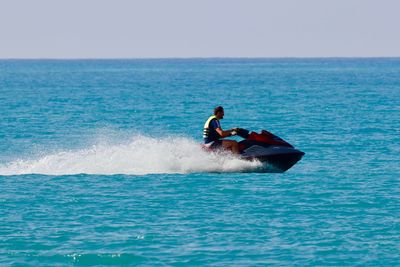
point(100, 163)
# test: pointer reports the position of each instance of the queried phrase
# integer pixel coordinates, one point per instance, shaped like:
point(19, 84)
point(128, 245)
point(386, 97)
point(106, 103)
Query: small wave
point(138, 156)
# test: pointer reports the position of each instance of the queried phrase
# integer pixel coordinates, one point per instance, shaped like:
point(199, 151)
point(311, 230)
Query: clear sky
point(202, 28)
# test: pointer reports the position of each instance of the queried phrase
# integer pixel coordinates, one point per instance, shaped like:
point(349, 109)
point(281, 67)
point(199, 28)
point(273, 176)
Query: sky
point(202, 28)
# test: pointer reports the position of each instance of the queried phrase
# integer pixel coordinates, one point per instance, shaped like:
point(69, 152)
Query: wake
point(138, 156)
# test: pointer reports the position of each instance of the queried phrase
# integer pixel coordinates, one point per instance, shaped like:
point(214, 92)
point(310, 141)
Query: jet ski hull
point(278, 162)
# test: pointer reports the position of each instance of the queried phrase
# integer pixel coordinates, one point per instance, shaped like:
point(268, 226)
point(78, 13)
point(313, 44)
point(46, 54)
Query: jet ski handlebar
point(242, 132)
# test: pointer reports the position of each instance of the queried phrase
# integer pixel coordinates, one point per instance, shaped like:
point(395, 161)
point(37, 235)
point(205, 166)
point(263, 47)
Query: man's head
point(219, 112)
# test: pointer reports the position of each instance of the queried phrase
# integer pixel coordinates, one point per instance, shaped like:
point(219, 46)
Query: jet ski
point(269, 149)
point(276, 154)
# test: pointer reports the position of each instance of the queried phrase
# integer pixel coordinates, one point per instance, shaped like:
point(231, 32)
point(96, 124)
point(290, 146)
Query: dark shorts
point(214, 144)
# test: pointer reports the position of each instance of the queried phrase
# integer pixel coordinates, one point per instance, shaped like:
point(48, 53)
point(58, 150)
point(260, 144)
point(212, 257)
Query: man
point(213, 133)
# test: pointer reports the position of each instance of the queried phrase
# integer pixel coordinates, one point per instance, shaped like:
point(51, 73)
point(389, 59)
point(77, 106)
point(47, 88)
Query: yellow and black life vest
point(206, 132)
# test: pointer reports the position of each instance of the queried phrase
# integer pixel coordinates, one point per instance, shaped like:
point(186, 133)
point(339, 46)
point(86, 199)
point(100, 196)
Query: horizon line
point(188, 58)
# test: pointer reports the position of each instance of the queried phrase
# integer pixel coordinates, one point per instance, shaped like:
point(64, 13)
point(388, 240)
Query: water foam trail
point(141, 155)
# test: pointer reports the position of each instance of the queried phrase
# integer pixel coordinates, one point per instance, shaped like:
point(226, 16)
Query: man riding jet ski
point(265, 146)
point(213, 133)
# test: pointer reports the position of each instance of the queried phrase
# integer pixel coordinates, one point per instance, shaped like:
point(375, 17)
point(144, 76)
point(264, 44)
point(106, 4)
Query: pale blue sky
point(203, 28)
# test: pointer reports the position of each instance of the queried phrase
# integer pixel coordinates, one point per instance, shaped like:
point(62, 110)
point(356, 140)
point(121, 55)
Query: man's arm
point(223, 133)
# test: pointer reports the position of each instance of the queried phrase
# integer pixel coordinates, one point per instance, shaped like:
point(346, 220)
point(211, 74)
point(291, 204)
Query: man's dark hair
point(218, 109)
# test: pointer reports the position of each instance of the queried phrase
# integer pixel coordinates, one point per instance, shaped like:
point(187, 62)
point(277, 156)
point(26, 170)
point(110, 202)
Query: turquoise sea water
point(100, 163)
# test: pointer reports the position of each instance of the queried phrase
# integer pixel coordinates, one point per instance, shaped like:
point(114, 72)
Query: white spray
point(138, 156)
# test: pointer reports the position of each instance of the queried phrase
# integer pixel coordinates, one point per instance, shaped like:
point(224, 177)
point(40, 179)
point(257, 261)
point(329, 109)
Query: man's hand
point(234, 131)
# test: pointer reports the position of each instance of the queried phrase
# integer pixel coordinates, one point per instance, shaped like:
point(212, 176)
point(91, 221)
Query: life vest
point(207, 133)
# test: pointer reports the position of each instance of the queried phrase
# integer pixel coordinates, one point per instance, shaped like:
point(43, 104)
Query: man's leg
point(231, 145)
